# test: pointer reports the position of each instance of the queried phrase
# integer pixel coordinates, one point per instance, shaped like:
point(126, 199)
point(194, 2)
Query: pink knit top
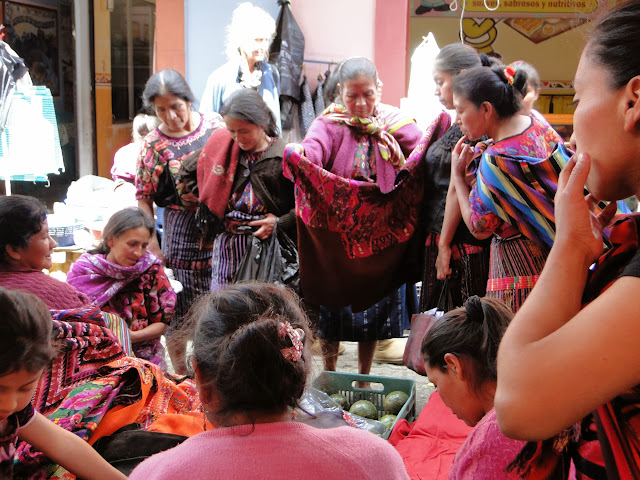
point(277, 451)
point(486, 453)
point(55, 294)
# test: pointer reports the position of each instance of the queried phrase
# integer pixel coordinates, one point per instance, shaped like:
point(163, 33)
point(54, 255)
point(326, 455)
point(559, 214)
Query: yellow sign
point(534, 6)
point(576, 9)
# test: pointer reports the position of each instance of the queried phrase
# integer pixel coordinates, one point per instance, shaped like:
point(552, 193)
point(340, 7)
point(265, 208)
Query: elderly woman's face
point(359, 95)
point(256, 49)
point(37, 254)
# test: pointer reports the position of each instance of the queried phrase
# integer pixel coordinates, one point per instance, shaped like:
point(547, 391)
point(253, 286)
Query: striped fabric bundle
point(520, 191)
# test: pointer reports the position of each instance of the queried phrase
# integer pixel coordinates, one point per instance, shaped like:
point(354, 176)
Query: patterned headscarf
point(372, 127)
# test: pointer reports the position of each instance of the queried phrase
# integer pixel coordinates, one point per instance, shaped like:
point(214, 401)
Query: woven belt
point(511, 283)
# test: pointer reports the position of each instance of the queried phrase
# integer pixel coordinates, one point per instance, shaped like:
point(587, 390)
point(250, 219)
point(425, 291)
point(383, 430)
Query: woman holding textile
point(487, 102)
point(364, 140)
point(582, 314)
point(123, 277)
point(451, 251)
point(180, 134)
point(251, 198)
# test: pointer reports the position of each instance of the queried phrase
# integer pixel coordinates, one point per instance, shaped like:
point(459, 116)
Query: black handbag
point(166, 194)
point(274, 260)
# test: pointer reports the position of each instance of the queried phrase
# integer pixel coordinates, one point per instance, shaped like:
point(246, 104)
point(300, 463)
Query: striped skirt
point(383, 320)
point(187, 257)
point(228, 251)
point(514, 268)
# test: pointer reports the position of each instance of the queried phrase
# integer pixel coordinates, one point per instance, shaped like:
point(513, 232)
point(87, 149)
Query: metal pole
point(83, 108)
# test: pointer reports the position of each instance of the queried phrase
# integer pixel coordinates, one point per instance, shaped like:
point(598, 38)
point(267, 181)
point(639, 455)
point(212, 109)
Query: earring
point(204, 417)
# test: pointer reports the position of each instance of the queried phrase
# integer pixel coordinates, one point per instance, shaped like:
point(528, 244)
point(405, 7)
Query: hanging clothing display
point(307, 115)
point(26, 113)
point(421, 102)
point(287, 54)
point(318, 100)
point(31, 116)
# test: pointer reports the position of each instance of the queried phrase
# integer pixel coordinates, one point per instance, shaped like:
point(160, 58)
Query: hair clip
point(509, 72)
point(294, 352)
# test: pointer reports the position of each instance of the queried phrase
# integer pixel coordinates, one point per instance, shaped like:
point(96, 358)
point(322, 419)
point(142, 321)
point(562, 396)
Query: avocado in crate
point(345, 385)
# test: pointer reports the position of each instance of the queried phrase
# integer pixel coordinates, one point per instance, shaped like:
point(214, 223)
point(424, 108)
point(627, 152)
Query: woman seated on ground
point(121, 276)
point(459, 354)
point(25, 250)
point(92, 372)
point(488, 102)
point(259, 201)
point(251, 362)
point(583, 317)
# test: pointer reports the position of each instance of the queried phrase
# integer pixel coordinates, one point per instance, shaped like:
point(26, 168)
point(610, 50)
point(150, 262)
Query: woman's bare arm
point(452, 217)
point(558, 362)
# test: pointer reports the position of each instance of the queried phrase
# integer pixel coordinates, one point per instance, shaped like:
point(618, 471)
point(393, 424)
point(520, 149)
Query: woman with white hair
point(249, 36)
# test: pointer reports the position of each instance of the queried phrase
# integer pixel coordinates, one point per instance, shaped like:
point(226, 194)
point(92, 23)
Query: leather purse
point(421, 323)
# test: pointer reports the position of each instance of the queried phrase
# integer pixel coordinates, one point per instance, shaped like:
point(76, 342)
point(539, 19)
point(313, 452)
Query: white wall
point(334, 30)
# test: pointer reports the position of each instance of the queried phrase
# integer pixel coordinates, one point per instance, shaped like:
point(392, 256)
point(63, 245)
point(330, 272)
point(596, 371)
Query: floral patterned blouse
point(9, 438)
point(537, 141)
point(161, 151)
point(146, 300)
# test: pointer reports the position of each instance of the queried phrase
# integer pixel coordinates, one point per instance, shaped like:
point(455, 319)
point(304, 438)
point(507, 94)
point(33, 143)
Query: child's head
point(460, 353)
point(25, 348)
point(25, 332)
point(249, 353)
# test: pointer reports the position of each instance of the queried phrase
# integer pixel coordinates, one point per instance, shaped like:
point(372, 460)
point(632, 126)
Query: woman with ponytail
point(451, 252)
point(251, 361)
point(496, 195)
point(459, 354)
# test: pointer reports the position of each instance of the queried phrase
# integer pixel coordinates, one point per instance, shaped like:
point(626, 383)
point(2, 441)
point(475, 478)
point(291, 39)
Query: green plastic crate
point(343, 383)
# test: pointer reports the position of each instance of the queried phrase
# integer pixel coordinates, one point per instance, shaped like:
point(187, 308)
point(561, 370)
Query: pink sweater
point(55, 294)
point(486, 453)
point(332, 145)
point(276, 451)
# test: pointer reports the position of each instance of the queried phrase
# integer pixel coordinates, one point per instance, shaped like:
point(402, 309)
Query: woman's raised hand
point(578, 226)
point(266, 226)
point(461, 156)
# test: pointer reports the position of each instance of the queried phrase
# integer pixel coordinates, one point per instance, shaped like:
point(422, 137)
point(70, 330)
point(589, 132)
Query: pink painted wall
point(391, 42)
point(338, 29)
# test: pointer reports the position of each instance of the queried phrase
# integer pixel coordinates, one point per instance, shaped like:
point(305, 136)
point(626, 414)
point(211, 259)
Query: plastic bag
point(274, 260)
point(320, 411)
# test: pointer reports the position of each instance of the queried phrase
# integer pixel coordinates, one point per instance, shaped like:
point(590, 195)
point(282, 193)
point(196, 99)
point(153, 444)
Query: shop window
point(132, 32)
